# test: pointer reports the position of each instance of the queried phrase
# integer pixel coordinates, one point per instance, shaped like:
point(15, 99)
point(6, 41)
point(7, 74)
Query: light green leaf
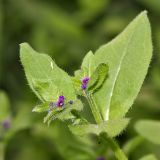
point(44, 107)
point(149, 129)
point(87, 68)
point(77, 85)
point(45, 78)
point(148, 157)
point(4, 107)
point(128, 57)
point(88, 64)
point(111, 127)
point(98, 77)
point(63, 113)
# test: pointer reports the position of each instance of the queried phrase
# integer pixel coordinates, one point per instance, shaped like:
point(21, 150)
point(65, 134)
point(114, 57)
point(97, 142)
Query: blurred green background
point(66, 30)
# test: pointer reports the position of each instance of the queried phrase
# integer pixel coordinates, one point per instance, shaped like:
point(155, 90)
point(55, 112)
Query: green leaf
point(4, 107)
point(128, 57)
point(148, 157)
point(45, 78)
point(44, 107)
point(64, 113)
point(111, 127)
point(98, 77)
point(87, 68)
point(77, 84)
point(149, 129)
point(88, 64)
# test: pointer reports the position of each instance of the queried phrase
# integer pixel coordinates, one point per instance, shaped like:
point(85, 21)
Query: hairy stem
point(94, 108)
point(119, 154)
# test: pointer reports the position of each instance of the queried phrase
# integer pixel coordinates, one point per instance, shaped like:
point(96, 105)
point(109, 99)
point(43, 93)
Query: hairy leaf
point(128, 57)
point(45, 78)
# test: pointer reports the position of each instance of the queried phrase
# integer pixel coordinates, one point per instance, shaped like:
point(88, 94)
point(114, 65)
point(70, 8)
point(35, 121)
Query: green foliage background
point(67, 30)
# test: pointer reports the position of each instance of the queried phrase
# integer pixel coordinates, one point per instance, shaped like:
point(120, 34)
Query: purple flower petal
point(85, 80)
point(84, 86)
point(61, 98)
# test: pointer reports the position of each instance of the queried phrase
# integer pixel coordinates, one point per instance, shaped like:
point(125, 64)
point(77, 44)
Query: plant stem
point(119, 154)
point(94, 108)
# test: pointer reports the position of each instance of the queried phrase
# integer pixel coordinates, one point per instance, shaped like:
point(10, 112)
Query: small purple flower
point(6, 124)
point(100, 158)
point(61, 98)
point(83, 86)
point(85, 82)
point(60, 101)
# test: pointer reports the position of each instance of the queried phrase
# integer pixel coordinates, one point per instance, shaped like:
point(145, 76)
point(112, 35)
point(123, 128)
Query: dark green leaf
point(98, 77)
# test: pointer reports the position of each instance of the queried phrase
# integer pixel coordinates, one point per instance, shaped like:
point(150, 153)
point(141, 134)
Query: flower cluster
point(85, 82)
point(60, 103)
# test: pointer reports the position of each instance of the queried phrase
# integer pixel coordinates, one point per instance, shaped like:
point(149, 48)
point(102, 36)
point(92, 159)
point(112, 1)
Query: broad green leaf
point(111, 127)
point(98, 77)
point(4, 106)
point(149, 129)
point(45, 78)
point(148, 157)
point(63, 113)
point(128, 57)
